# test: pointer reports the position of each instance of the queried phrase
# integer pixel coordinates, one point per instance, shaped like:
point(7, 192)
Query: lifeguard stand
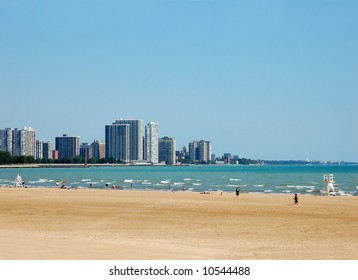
point(328, 185)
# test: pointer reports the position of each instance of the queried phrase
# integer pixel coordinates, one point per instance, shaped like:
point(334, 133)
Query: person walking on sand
point(237, 191)
point(295, 199)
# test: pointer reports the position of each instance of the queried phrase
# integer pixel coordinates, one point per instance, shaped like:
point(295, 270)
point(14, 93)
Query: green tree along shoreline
point(7, 159)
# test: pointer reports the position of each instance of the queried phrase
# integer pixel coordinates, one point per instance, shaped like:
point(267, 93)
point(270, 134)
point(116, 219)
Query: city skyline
point(195, 150)
point(124, 143)
point(260, 79)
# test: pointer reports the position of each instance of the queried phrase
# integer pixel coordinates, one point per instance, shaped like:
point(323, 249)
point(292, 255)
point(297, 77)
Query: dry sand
point(54, 224)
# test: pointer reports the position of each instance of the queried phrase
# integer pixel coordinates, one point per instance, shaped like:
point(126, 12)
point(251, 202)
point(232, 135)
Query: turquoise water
point(262, 179)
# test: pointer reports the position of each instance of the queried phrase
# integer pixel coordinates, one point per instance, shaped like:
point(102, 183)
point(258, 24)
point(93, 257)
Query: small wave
point(233, 179)
point(44, 181)
point(128, 181)
point(86, 180)
point(165, 182)
point(197, 184)
point(188, 179)
point(259, 185)
point(91, 183)
point(178, 184)
point(300, 187)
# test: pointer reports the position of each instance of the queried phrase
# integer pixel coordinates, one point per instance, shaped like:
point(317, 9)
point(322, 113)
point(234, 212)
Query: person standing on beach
point(295, 199)
point(237, 191)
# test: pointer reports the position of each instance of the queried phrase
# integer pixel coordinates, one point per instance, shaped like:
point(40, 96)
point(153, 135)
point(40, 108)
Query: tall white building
point(18, 142)
point(24, 142)
point(151, 143)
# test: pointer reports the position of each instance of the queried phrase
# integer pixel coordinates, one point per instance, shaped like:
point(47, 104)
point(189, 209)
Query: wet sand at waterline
point(92, 224)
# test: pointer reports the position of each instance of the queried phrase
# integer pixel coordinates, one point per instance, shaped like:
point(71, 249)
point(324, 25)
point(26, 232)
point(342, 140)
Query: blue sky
point(262, 79)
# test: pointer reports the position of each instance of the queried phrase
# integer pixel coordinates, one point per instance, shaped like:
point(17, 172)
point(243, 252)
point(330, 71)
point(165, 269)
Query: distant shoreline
point(81, 165)
point(74, 165)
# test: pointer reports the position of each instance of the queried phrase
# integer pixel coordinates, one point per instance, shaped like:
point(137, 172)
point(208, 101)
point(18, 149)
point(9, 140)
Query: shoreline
point(127, 189)
point(82, 165)
point(90, 224)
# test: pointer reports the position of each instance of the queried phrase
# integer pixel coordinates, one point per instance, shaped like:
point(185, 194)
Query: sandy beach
point(87, 224)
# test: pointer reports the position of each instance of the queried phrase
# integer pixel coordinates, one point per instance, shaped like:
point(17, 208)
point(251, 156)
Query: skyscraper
point(47, 148)
point(98, 149)
point(205, 151)
point(67, 146)
point(6, 140)
point(24, 142)
point(135, 138)
point(86, 151)
point(167, 147)
point(39, 149)
point(200, 151)
point(18, 142)
point(151, 143)
point(117, 142)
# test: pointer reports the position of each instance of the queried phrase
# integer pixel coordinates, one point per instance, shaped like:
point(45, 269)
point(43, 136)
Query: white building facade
point(151, 143)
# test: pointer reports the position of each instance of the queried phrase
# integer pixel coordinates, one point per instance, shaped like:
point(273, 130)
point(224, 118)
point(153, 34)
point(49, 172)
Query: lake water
point(307, 179)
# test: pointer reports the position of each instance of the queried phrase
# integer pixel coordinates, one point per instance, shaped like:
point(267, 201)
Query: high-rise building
point(193, 151)
point(204, 151)
point(135, 138)
point(124, 140)
point(200, 151)
point(151, 143)
point(117, 142)
point(67, 146)
point(47, 148)
point(98, 149)
point(24, 142)
point(167, 147)
point(18, 142)
point(39, 149)
point(86, 151)
point(6, 140)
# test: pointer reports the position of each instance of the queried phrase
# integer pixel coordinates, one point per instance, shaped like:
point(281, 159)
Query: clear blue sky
point(262, 79)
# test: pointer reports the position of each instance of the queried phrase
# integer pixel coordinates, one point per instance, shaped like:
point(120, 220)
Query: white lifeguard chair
point(18, 181)
point(328, 185)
